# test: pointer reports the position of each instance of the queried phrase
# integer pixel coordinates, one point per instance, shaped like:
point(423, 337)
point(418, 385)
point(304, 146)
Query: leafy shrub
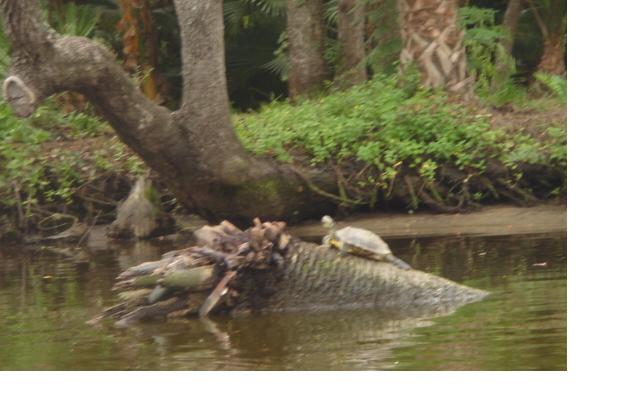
point(487, 59)
point(379, 124)
point(37, 171)
point(555, 84)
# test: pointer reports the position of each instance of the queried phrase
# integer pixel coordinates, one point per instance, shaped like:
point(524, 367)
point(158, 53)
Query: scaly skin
point(317, 277)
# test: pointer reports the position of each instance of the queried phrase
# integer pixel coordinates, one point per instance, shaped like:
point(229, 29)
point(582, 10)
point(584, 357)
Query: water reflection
point(46, 295)
point(345, 340)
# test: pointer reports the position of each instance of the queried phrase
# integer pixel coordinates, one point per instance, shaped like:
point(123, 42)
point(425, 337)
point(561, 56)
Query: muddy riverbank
point(489, 221)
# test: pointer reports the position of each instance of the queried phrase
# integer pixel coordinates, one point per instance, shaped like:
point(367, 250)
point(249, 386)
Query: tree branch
point(44, 64)
point(194, 149)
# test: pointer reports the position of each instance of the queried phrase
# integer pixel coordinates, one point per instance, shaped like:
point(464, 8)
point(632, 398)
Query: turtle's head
point(328, 222)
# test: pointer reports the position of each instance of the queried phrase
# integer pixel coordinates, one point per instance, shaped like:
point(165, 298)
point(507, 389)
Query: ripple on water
point(46, 297)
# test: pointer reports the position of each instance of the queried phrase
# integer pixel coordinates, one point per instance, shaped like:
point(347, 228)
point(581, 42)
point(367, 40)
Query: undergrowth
point(49, 162)
point(376, 131)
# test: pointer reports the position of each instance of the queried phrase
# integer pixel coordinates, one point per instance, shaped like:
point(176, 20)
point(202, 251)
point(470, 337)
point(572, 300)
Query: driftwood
point(198, 279)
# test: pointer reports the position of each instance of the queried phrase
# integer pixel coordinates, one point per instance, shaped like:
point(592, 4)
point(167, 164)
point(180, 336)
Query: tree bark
point(510, 22)
point(306, 32)
point(140, 43)
point(505, 64)
point(351, 69)
point(195, 148)
point(434, 43)
point(552, 61)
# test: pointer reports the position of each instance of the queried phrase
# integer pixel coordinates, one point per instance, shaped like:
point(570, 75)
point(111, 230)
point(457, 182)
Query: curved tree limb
point(194, 149)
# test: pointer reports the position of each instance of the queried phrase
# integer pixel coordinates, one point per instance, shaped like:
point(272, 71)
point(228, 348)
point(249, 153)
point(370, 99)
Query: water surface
point(47, 294)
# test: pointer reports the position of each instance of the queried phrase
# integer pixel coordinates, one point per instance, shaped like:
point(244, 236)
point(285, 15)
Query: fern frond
point(555, 84)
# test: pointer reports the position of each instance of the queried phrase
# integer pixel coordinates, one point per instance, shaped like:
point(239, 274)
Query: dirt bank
point(491, 220)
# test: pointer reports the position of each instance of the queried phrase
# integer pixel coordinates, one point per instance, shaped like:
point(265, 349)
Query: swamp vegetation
point(281, 110)
point(389, 141)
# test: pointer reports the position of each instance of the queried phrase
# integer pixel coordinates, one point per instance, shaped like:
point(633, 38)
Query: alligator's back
point(316, 277)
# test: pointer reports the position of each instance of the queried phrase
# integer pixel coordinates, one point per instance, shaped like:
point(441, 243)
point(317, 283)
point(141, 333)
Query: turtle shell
point(363, 241)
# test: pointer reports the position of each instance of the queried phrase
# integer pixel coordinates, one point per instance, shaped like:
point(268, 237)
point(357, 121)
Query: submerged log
point(317, 277)
point(263, 269)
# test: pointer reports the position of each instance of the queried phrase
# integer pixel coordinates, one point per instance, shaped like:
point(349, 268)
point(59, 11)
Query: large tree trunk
point(505, 65)
point(140, 43)
point(510, 22)
point(434, 43)
point(351, 69)
point(195, 148)
point(552, 61)
point(306, 32)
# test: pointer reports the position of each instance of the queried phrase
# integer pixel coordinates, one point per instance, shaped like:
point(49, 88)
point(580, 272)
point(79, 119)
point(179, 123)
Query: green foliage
point(37, 162)
point(243, 14)
point(487, 59)
point(556, 85)
point(255, 32)
point(384, 41)
point(5, 59)
point(75, 20)
point(279, 66)
point(72, 125)
point(17, 166)
point(380, 124)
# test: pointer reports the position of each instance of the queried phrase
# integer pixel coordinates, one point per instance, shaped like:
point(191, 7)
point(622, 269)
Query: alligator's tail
point(397, 262)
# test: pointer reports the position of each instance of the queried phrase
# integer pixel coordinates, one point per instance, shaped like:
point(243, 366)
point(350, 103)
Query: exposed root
point(455, 191)
point(517, 200)
point(426, 199)
point(429, 201)
point(528, 198)
point(323, 193)
point(412, 192)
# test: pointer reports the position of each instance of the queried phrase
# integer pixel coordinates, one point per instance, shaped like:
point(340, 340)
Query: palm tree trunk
point(140, 43)
point(434, 43)
point(552, 61)
point(510, 22)
point(505, 65)
point(306, 31)
point(351, 69)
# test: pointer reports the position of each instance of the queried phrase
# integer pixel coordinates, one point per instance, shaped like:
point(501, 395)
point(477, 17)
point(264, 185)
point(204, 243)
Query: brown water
point(47, 294)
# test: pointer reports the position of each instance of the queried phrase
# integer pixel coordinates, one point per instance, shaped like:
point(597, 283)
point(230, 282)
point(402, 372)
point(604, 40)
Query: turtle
point(360, 242)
